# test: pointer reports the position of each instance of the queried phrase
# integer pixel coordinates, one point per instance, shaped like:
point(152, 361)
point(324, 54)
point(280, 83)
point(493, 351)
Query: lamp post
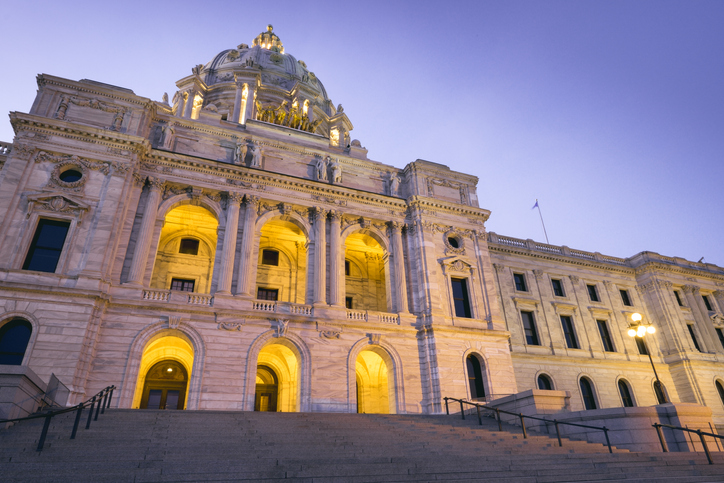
point(639, 329)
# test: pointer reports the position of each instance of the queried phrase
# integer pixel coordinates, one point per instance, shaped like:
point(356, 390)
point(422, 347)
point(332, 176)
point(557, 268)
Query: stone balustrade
point(157, 295)
point(200, 299)
point(370, 316)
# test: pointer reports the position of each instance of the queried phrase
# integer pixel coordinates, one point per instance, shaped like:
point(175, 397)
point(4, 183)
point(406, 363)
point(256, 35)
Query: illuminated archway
point(186, 250)
point(277, 365)
point(175, 351)
point(165, 386)
point(282, 261)
point(366, 280)
point(374, 381)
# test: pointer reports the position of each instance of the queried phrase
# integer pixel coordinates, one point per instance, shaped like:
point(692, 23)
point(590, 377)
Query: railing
point(264, 306)
point(301, 309)
point(522, 417)
point(697, 431)
point(367, 316)
point(197, 299)
point(104, 401)
point(160, 295)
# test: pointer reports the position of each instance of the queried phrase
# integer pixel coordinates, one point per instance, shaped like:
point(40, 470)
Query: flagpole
point(541, 220)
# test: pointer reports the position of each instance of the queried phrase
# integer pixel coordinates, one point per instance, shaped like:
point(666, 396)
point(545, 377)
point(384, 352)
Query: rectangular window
point(558, 288)
point(678, 298)
point(531, 335)
point(707, 303)
point(693, 336)
point(460, 297)
point(189, 246)
point(47, 245)
point(267, 294)
point(270, 257)
point(346, 268)
point(721, 336)
point(605, 336)
point(520, 285)
point(593, 293)
point(568, 332)
point(643, 350)
point(624, 298)
point(182, 284)
point(348, 302)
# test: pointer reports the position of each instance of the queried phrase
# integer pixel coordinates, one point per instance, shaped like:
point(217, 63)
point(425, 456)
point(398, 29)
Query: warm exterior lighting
point(170, 369)
point(639, 329)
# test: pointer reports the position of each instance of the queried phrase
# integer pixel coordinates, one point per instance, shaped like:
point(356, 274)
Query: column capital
point(234, 197)
point(318, 213)
point(717, 293)
point(574, 278)
point(335, 215)
point(156, 184)
point(395, 226)
point(251, 200)
point(692, 289)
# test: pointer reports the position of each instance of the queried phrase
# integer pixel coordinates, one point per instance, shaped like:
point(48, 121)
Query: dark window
point(267, 294)
point(605, 336)
point(707, 303)
point(593, 293)
point(721, 335)
point(545, 383)
point(625, 394)
point(643, 350)
point(475, 378)
point(182, 284)
point(568, 332)
point(453, 242)
point(460, 297)
point(519, 279)
point(693, 336)
point(659, 391)
point(720, 390)
point(678, 298)
point(348, 302)
point(46, 246)
point(346, 268)
point(270, 257)
point(589, 400)
point(14, 337)
point(624, 298)
point(531, 336)
point(558, 288)
point(189, 246)
point(70, 176)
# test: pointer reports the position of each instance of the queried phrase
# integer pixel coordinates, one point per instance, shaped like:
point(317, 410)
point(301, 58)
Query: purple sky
point(611, 113)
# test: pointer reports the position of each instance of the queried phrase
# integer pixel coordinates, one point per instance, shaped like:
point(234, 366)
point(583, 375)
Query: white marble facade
point(250, 158)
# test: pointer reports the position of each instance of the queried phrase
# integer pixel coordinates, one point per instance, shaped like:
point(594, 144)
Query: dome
point(279, 70)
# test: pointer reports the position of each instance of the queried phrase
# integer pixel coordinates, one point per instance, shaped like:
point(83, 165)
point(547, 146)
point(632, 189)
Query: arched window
point(14, 337)
point(589, 399)
point(659, 391)
point(475, 377)
point(545, 383)
point(625, 392)
point(720, 390)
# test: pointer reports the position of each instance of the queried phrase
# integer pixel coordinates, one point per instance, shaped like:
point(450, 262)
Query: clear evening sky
point(610, 113)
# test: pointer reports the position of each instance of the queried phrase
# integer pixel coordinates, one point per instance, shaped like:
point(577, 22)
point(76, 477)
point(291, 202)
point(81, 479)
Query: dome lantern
point(269, 40)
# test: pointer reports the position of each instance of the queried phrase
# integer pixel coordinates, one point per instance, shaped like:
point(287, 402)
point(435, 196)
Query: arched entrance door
point(165, 386)
point(267, 389)
point(373, 391)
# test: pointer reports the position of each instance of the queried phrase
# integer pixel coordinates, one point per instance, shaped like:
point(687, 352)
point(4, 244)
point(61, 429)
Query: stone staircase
point(145, 446)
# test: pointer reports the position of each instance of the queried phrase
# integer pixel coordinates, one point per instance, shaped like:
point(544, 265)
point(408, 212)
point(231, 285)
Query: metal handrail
point(104, 401)
point(697, 431)
point(522, 420)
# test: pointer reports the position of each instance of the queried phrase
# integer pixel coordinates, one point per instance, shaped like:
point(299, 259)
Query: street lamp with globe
point(639, 329)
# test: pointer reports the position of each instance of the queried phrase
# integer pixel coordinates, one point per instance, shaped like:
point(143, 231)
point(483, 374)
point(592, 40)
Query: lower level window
point(460, 297)
point(589, 399)
point(267, 294)
point(46, 246)
point(182, 284)
point(14, 337)
point(625, 392)
point(531, 335)
point(544, 383)
point(693, 337)
point(348, 302)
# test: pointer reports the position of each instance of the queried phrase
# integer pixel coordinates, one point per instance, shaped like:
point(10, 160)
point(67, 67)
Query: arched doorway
point(366, 270)
point(267, 389)
point(475, 378)
point(373, 383)
point(172, 350)
point(282, 262)
point(14, 338)
point(277, 378)
point(165, 386)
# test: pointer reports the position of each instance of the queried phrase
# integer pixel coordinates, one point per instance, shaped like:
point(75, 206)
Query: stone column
point(336, 257)
point(188, 109)
point(181, 100)
point(250, 95)
point(247, 246)
point(319, 217)
point(236, 114)
point(143, 243)
point(227, 256)
point(398, 258)
point(696, 305)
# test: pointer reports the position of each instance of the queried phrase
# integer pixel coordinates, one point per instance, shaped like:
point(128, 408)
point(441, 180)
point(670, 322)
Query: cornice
point(649, 267)
point(424, 202)
point(112, 92)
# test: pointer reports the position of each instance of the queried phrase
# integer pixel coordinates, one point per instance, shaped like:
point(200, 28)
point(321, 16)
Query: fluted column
point(319, 215)
point(188, 109)
point(181, 101)
point(398, 258)
point(336, 255)
point(250, 94)
point(227, 256)
point(247, 245)
point(143, 243)
point(694, 298)
point(236, 115)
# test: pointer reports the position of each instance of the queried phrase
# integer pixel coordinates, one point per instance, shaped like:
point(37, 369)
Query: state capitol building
point(232, 247)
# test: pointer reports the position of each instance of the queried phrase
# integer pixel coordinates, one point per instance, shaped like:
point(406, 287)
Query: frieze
point(102, 166)
point(326, 199)
point(374, 339)
point(93, 104)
